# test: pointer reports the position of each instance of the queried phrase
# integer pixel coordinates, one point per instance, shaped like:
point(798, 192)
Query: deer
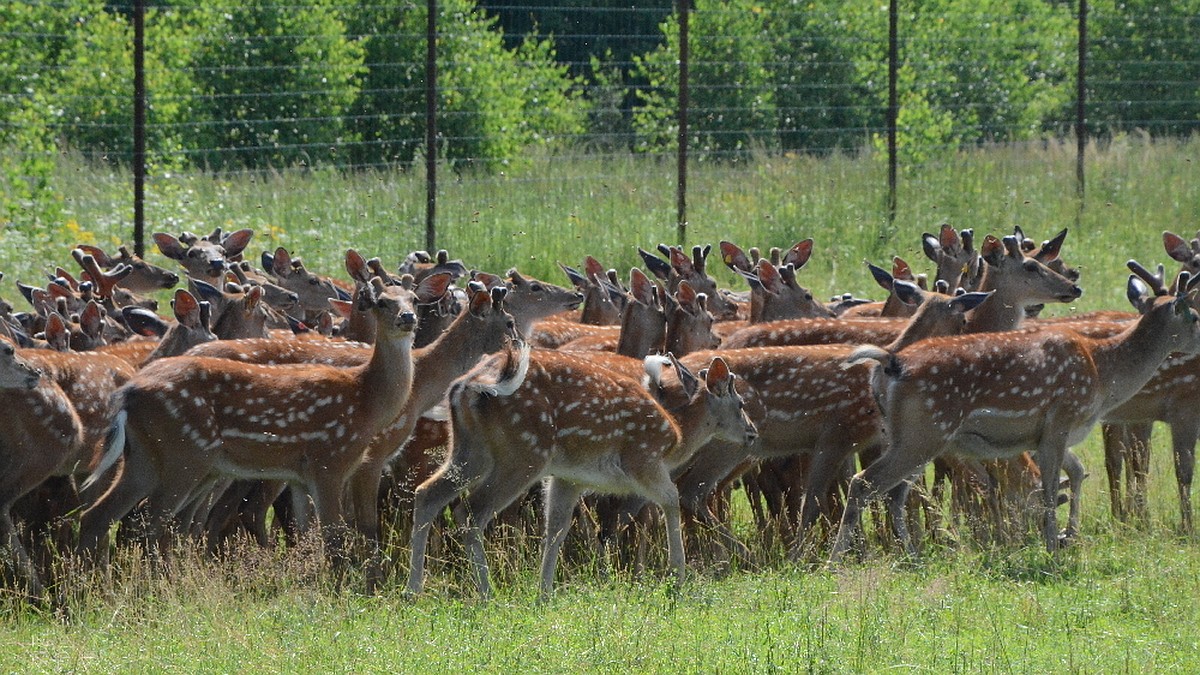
point(521, 416)
point(204, 257)
point(1170, 396)
point(954, 254)
point(679, 268)
point(774, 292)
point(990, 396)
point(314, 291)
point(306, 424)
point(893, 306)
point(144, 277)
point(42, 434)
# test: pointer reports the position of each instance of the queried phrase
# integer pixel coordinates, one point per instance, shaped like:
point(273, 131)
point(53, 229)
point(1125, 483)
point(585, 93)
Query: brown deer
point(774, 292)
point(306, 424)
point(989, 396)
point(679, 268)
point(204, 257)
point(144, 277)
point(520, 417)
point(42, 436)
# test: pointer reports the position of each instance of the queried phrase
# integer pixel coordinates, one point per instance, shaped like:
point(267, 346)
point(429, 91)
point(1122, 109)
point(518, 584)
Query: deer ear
point(948, 237)
point(1139, 294)
point(685, 295)
point(91, 319)
point(686, 379)
point(993, 250)
point(433, 287)
point(356, 265)
point(281, 263)
point(480, 302)
point(577, 279)
point(734, 258)
point(657, 266)
point(641, 288)
point(186, 308)
point(930, 245)
point(1177, 247)
point(682, 264)
point(1051, 249)
point(488, 280)
point(718, 380)
point(881, 276)
point(143, 322)
point(343, 308)
point(56, 333)
point(169, 246)
point(969, 301)
point(768, 277)
point(253, 296)
point(236, 242)
point(798, 255)
point(901, 269)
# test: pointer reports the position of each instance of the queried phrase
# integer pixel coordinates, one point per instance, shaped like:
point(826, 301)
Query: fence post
point(431, 127)
point(893, 110)
point(1081, 106)
point(681, 186)
point(139, 127)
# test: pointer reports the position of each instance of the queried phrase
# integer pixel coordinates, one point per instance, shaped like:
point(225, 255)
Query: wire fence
point(238, 88)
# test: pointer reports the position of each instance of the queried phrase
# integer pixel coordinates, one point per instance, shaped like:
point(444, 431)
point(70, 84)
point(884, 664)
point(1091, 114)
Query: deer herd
point(379, 403)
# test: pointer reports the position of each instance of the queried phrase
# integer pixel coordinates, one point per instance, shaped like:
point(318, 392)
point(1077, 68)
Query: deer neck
point(1127, 360)
point(387, 377)
point(1005, 310)
point(643, 331)
point(437, 365)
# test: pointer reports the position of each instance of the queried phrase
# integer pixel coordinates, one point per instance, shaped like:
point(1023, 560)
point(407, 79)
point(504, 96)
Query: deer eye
point(536, 288)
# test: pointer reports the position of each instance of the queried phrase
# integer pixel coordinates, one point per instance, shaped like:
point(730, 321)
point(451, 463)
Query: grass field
point(1124, 599)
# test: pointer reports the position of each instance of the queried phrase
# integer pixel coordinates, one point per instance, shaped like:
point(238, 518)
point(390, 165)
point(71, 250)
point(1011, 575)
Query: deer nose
point(407, 320)
point(171, 279)
point(216, 267)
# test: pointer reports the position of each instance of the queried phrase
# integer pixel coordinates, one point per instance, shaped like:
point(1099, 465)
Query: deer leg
point(1050, 454)
point(136, 480)
point(1115, 436)
point(660, 489)
point(561, 499)
point(1138, 470)
point(1075, 475)
point(501, 488)
point(880, 477)
point(22, 565)
point(461, 470)
point(1184, 432)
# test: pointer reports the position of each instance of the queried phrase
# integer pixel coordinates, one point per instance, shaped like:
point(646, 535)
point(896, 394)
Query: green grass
point(1124, 599)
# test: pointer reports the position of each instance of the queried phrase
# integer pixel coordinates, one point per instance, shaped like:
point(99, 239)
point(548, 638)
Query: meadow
point(1124, 598)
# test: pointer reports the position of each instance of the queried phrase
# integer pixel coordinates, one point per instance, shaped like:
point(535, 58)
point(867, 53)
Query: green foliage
point(494, 103)
point(277, 80)
point(732, 101)
point(1144, 65)
point(35, 36)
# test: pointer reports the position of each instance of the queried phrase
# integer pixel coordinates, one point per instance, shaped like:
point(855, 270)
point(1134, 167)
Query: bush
point(732, 100)
point(493, 103)
point(278, 80)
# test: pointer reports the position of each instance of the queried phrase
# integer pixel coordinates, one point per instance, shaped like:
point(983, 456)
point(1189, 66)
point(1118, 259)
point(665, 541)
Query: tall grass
point(1124, 599)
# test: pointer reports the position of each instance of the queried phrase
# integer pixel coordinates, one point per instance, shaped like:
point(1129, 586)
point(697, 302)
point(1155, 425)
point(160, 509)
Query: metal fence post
point(431, 127)
point(1081, 105)
point(893, 110)
point(681, 186)
point(139, 126)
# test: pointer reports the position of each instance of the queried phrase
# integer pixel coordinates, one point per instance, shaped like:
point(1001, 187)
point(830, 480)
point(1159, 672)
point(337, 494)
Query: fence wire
point(238, 88)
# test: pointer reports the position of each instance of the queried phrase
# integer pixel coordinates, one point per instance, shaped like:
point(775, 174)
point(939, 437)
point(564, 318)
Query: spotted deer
point(185, 421)
point(989, 396)
point(774, 292)
point(521, 417)
point(678, 268)
point(41, 437)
